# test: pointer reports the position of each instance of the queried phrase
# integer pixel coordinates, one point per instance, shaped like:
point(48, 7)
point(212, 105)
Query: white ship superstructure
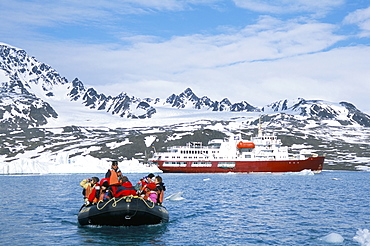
point(263, 153)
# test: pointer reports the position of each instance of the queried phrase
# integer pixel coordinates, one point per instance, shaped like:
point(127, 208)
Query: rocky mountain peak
point(343, 112)
point(188, 99)
point(27, 73)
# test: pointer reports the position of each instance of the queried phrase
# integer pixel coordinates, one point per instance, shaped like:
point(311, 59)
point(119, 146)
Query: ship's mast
point(260, 128)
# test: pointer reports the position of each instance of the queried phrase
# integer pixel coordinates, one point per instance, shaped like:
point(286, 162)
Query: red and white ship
point(263, 153)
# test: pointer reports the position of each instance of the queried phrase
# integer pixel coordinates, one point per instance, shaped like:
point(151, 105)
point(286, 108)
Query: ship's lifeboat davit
point(244, 145)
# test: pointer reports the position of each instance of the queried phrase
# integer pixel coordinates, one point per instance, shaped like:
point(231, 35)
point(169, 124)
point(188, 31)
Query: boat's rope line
point(114, 204)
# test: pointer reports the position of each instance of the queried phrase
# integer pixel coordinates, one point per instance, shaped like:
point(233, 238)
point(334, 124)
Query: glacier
point(62, 164)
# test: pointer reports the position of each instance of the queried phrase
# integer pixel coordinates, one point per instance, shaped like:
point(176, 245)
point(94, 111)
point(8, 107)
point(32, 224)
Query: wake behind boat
point(263, 153)
point(124, 211)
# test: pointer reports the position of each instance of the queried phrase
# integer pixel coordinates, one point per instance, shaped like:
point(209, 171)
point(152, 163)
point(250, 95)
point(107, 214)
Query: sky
point(259, 51)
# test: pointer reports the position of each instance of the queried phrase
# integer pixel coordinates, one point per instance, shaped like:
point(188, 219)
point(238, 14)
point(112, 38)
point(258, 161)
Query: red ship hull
point(312, 163)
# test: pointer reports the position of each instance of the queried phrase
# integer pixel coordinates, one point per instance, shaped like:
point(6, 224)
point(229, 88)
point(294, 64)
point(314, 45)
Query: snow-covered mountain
point(31, 86)
point(30, 91)
point(345, 113)
point(43, 115)
point(188, 99)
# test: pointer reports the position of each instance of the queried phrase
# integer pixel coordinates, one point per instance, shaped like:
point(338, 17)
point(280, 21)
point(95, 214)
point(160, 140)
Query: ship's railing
point(172, 148)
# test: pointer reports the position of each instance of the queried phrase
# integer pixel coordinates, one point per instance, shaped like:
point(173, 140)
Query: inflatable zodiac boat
point(124, 211)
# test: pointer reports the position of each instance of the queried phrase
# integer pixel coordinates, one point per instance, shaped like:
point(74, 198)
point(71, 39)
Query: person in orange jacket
point(114, 174)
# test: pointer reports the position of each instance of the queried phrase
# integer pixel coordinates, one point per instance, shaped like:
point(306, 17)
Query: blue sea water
point(217, 209)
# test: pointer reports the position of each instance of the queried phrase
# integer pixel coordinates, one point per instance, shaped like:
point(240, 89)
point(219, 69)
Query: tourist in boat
point(125, 189)
point(94, 195)
point(140, 186)
point(150, 177)
point(99, 192)
point(150, 192)
point(105, 193)
point(160, 189)
point(114, 174)
point(88, 186)
point(144, 181)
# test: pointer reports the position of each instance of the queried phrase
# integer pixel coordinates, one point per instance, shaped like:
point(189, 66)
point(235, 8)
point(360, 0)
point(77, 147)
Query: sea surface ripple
point(214, 209)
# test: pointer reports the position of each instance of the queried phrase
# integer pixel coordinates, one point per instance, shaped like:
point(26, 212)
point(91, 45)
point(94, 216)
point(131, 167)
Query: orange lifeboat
point(242, 145)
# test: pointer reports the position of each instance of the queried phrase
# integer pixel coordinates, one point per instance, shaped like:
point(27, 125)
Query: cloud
point(163, 60)
point(288, 6)
point(360, 17)
point(260, 63)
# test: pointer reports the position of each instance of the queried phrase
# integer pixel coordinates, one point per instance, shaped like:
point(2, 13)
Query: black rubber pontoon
point(124, 211)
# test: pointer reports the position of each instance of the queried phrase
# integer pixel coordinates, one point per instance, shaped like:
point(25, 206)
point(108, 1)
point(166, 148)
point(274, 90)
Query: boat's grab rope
point(127, 198)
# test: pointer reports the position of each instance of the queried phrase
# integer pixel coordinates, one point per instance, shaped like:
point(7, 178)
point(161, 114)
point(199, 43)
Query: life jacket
point(94, 195)
point(126, 189)
point(105, 196)
point(86, 192)
point(113, 178)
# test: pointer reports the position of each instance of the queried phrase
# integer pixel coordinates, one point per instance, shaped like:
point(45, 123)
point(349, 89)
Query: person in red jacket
point(143, 182)
point(125, 189)
point(95, 194)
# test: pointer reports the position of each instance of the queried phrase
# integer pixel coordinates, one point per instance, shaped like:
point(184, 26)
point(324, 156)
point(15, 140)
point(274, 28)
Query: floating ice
point(303, 172)
point(306, 172)
point(61, 163)
point(363, 168)
point(333, 238)
point(207, 179)
point(175, 197)
point(362, 237)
